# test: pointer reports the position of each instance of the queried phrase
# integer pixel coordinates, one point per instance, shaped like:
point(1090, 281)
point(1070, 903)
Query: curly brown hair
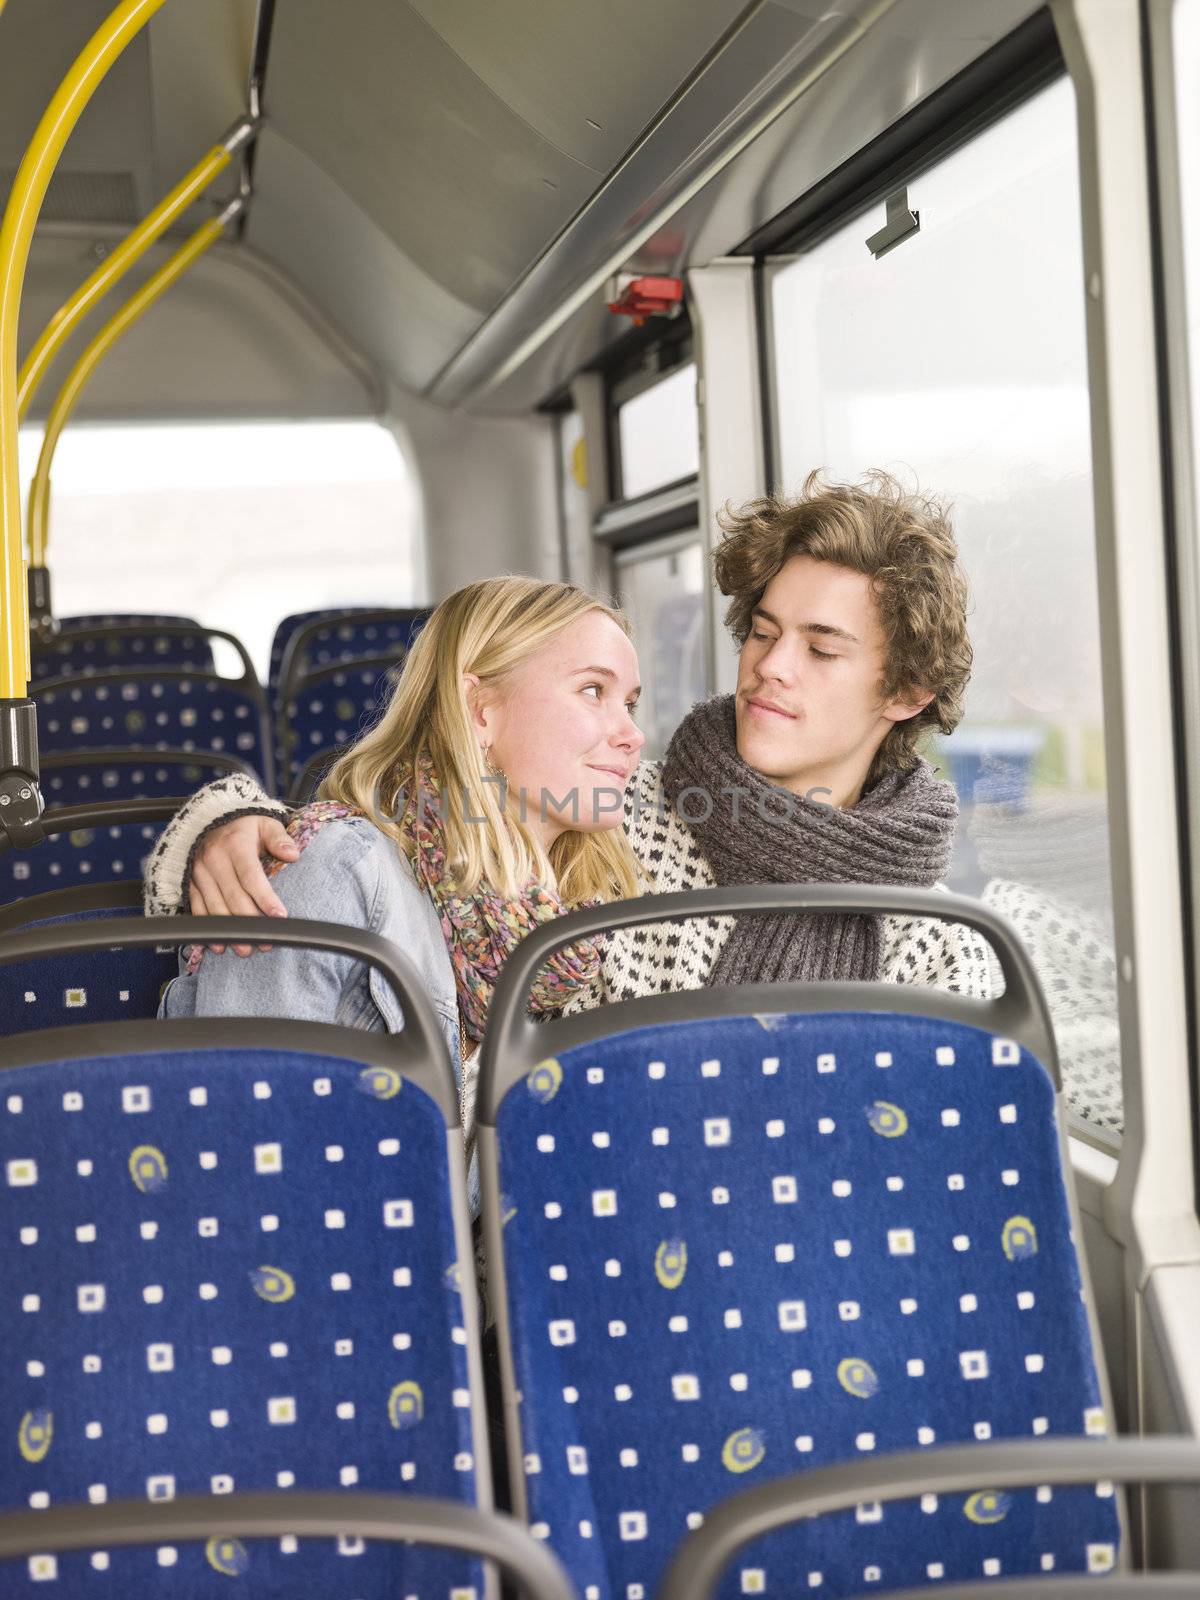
point(904, 542)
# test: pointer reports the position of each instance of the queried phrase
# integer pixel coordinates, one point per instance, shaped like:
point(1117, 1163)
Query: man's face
point(810, 712)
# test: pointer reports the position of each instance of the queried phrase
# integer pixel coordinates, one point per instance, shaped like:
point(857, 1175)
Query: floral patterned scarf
point(481, 929)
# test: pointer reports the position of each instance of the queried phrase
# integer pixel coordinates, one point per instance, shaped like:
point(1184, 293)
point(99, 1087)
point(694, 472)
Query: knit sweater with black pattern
point(654, 959)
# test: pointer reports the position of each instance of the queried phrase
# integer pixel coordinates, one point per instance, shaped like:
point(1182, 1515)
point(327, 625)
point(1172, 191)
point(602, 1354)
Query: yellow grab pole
point(110, 271)
point(16, 235)
point(153, 289)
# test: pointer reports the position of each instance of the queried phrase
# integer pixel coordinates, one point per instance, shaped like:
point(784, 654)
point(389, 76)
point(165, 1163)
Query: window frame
point(1010, 74)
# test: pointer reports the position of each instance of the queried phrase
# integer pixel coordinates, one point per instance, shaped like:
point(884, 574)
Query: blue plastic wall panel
point(94, 986)
point(334, 710)
point(85, 855)
point(746, 1247)
point(66, 656)
point(168, 713)
point(226, 1272)
point(100, 781)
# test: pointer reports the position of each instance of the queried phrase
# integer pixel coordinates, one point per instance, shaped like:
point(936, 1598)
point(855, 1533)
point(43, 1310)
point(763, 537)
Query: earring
point(491, 764)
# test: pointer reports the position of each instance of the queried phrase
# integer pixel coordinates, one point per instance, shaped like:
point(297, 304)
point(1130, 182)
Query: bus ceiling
point(623, 137)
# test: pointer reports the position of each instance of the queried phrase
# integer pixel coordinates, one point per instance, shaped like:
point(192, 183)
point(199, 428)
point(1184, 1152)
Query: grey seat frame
point(418, 1052)
point(248, 683)
point(536, 1571)
point(702, 1558)
point(286, 735)
point(69, 819)
point(293, 664)
point(514, 1044)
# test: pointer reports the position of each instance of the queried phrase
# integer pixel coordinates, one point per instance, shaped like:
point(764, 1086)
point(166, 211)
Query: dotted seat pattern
point(344, 639)
point(171, 711)
point(66, 656)
point(288, 628)
point(83, 986)
point(333, 708)
point(99, 854)
point(746, 1247)
point(102, 780)
point(124, 619)
point(84, 855)
point(230, 1271)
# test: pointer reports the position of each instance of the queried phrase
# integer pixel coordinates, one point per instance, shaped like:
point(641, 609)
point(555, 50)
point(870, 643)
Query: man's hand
point(227, 878)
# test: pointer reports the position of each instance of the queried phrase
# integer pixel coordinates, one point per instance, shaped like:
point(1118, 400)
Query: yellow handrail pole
point(110, 271)
point(16, 235)
point(77, 379)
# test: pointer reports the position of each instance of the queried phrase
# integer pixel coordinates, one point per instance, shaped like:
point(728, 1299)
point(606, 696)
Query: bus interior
point(322, 311)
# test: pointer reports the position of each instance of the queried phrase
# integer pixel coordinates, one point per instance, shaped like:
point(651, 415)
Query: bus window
point(290, 517)
point(659, 436)
point(958, 359)
point(661, 585)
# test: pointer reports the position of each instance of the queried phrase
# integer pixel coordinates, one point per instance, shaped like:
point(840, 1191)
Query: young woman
point(849, 609)
point(486, 800)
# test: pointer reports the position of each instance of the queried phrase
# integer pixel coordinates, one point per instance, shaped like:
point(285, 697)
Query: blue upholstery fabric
point(332, 708)
point(291, 625)
point(66, 656)
point(343, 640)
point(103, 780)
point(123, 619)
point(77, 987)
point(85, 855)
point(171, 712)
point(230, 1271)
point(746, 1247)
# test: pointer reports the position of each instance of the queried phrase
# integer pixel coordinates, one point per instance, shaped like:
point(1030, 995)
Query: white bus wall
point(488, 488)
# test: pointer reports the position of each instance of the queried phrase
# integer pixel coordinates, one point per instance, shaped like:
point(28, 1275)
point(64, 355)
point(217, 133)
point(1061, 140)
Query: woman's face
point(561, 728)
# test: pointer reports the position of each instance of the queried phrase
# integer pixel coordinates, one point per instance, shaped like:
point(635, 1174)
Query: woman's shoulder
point(351, 871)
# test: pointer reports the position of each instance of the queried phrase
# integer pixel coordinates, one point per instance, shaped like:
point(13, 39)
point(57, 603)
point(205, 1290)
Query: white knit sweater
point(654, 959)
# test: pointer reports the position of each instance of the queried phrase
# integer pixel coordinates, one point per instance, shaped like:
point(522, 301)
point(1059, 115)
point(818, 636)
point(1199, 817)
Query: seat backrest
point(332, 708)
point(162, 710)
point(121, 619)
point(76, 988)
point(81, 652)
point(83, 777)
point(796, 1229)
point(85, 845)
point(310, 641)
point(289, 626)
point(241, 1260)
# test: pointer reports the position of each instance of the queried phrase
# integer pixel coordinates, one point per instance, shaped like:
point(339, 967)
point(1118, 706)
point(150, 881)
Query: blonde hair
point(488, 628)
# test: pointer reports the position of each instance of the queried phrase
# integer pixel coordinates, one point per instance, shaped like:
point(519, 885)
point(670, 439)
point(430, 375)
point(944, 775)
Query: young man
point(849, 609)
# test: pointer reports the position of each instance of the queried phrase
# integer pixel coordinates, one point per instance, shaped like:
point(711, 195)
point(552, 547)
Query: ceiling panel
point(38, 43)
point(404, 320)
point(917, 47)
point(227, 341)
point(458, 181)
point(168, 97)
point(587, 77)
point(200, 52)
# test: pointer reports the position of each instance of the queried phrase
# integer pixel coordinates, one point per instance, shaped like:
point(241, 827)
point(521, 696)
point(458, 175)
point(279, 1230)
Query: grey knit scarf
point(900, 832)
